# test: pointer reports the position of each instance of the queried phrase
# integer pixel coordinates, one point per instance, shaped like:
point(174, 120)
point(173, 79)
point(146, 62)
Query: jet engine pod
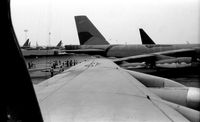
point(154, 81)
point(190, 114)
point(186, 96)
point(193, 98)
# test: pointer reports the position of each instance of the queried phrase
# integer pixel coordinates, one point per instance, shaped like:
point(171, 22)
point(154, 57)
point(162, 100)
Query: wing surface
point(156, 56)
point(99, 90)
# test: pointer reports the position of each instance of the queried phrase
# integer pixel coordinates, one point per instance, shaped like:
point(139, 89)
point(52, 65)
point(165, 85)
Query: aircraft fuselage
point(132, 50)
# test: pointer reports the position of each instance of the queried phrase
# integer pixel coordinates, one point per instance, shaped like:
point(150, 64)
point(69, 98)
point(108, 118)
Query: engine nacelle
point(191, 114)
point(133, 65)
point(174, 65)
point(186, 96)
point(193, 98)
point(72, 47)
point(154, 81)
point(175, 60)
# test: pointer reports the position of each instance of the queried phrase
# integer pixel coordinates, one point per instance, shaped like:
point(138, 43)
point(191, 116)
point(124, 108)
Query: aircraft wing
point(99, 90)
point(155, 56)
point(87, 51)
point(178, 53)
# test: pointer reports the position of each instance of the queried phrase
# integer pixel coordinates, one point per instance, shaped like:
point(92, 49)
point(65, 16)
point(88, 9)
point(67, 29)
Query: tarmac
point(186, 76)
point(43, 63)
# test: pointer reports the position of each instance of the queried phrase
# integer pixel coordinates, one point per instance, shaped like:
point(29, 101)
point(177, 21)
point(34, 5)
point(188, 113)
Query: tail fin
point(29, 44)
point(37, 44)
point(59, 44)
point(26, 44)
point(88, 33)
point(145, 38)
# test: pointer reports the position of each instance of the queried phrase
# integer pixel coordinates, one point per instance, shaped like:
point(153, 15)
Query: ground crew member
point(67, 63)
point(51, 71)
point(70, 63)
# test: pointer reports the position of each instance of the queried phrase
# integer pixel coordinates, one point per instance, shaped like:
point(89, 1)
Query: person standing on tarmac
point(29, 65)
point(51, 71)
point(67, 63)
point(70, 64)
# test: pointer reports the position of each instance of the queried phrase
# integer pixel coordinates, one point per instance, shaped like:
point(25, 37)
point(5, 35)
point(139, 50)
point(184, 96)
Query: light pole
point(49, 39)
point(25, 31)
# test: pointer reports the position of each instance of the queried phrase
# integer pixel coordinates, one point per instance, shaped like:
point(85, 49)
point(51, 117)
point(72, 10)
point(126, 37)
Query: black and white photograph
point(101, 60)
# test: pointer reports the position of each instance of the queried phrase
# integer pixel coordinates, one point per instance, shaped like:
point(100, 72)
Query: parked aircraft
point(92, 42)
point(96, 90)
point(39, 51)
point(58, 46)
point(166, 61)
point(26, 44)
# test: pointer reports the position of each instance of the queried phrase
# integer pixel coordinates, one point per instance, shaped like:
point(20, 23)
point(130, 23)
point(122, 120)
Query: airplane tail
point(29, 44)
point(145, 38)
point(88, 33)
point(37, 44)
point(59, 44)
point(26, 44)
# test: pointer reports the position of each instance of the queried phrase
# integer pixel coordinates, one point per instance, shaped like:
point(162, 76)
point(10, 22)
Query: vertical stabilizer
point(37, 44)
point(29, 44)
point(59, 44)
point(88, 33)
point(145, 38)
point(26, 44)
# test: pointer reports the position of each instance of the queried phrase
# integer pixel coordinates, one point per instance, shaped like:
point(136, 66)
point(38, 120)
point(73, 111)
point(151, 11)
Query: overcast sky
point(165, 21)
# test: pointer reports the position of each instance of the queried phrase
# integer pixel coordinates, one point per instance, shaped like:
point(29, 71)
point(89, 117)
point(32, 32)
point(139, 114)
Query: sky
point(165, 21)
